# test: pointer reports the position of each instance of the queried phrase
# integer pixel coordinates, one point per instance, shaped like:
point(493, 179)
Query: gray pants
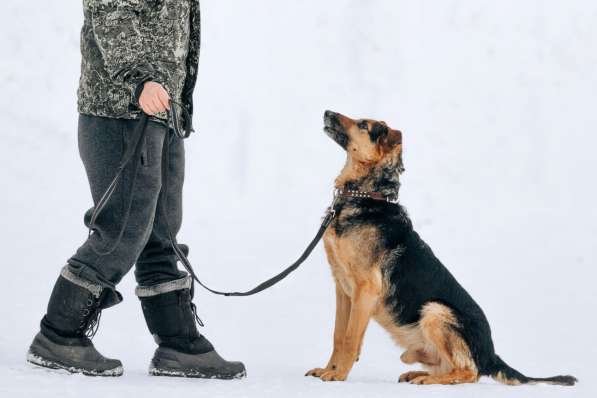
point(107, 255)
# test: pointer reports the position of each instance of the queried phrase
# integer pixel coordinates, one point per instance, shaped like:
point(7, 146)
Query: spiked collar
point(352, 193)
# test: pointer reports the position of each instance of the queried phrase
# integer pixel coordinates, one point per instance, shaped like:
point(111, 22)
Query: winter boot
point(64, 341)
point(182, 351)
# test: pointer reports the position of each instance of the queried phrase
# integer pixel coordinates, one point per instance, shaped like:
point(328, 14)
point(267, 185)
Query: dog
point(383, 270)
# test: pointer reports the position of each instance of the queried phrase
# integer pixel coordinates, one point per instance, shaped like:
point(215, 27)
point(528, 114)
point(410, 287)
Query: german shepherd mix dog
point(385, 271)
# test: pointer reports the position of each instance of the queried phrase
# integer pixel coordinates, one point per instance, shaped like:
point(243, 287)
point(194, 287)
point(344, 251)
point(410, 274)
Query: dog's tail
point(505, 374)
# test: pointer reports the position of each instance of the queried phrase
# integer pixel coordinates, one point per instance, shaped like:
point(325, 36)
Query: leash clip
point(330, 213)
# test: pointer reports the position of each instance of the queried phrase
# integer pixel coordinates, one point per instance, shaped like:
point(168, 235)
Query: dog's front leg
point(364, 301)
point(342, 315)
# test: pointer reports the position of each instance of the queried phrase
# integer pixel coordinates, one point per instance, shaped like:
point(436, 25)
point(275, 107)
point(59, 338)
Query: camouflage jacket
point(125, 43)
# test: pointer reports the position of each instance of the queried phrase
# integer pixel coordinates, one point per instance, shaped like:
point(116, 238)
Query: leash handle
point(173, 116)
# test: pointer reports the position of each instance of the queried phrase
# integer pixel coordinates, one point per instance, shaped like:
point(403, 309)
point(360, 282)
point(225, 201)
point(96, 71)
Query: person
point(137, 56)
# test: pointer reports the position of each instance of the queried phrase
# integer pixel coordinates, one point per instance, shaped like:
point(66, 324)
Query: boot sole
point(49, 364)
point(153, 371)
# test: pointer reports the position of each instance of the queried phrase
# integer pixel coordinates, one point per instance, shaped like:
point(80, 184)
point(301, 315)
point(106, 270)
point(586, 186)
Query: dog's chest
point(341, 270)
point(352, 257)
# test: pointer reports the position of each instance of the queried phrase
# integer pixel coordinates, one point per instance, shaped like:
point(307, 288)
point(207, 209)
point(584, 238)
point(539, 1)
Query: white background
point(496, 101)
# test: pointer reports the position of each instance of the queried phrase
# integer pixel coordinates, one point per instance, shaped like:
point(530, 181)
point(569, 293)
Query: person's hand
point(154, 98)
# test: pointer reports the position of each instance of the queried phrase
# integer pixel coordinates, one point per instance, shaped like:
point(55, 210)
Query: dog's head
point(367, 142)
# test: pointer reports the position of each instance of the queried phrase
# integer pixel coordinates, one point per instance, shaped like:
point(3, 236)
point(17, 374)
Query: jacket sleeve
point(116, 27)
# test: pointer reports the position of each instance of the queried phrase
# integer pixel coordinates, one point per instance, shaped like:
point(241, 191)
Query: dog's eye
point(363, 125)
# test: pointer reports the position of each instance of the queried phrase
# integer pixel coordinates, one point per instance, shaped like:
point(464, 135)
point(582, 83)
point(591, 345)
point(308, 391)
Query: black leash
point(268, 283)
point(134, 152)
point(330, 213)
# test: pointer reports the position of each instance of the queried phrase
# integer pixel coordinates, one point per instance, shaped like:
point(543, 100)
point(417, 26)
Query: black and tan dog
point(385, 271)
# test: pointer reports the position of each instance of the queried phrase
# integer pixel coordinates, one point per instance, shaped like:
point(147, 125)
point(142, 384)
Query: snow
point(496, 101)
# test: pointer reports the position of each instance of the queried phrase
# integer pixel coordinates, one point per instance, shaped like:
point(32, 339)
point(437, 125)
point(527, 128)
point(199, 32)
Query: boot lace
point(93, 324)
point(90, 318)
point(197, 319)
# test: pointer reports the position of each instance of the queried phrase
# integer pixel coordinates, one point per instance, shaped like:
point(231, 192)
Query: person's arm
point(116, 30)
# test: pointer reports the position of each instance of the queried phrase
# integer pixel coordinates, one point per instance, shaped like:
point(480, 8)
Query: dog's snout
point(329, 118)
point(334, 129)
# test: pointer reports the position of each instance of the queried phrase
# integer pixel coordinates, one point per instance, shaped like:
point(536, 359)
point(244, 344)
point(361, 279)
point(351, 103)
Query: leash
point(327, 220)
point(134, 152)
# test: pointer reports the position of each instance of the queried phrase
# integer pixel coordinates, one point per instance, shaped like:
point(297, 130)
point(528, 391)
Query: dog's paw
point(410, 376)
point(333, 375)
point(317, 372)
point(428, 379)
point(444, 379)
point(420, 380)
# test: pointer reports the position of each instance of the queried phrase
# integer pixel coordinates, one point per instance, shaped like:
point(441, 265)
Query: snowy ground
point(497, 104)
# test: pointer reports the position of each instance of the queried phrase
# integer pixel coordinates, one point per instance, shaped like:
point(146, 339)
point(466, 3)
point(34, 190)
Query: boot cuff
point(95, 289)
point(166, 287)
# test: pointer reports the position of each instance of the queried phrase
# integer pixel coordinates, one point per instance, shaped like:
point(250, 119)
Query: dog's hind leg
point(437, 324)
point(342, 313)
point(456, 376)
point(413, 356)
point(419, 355)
